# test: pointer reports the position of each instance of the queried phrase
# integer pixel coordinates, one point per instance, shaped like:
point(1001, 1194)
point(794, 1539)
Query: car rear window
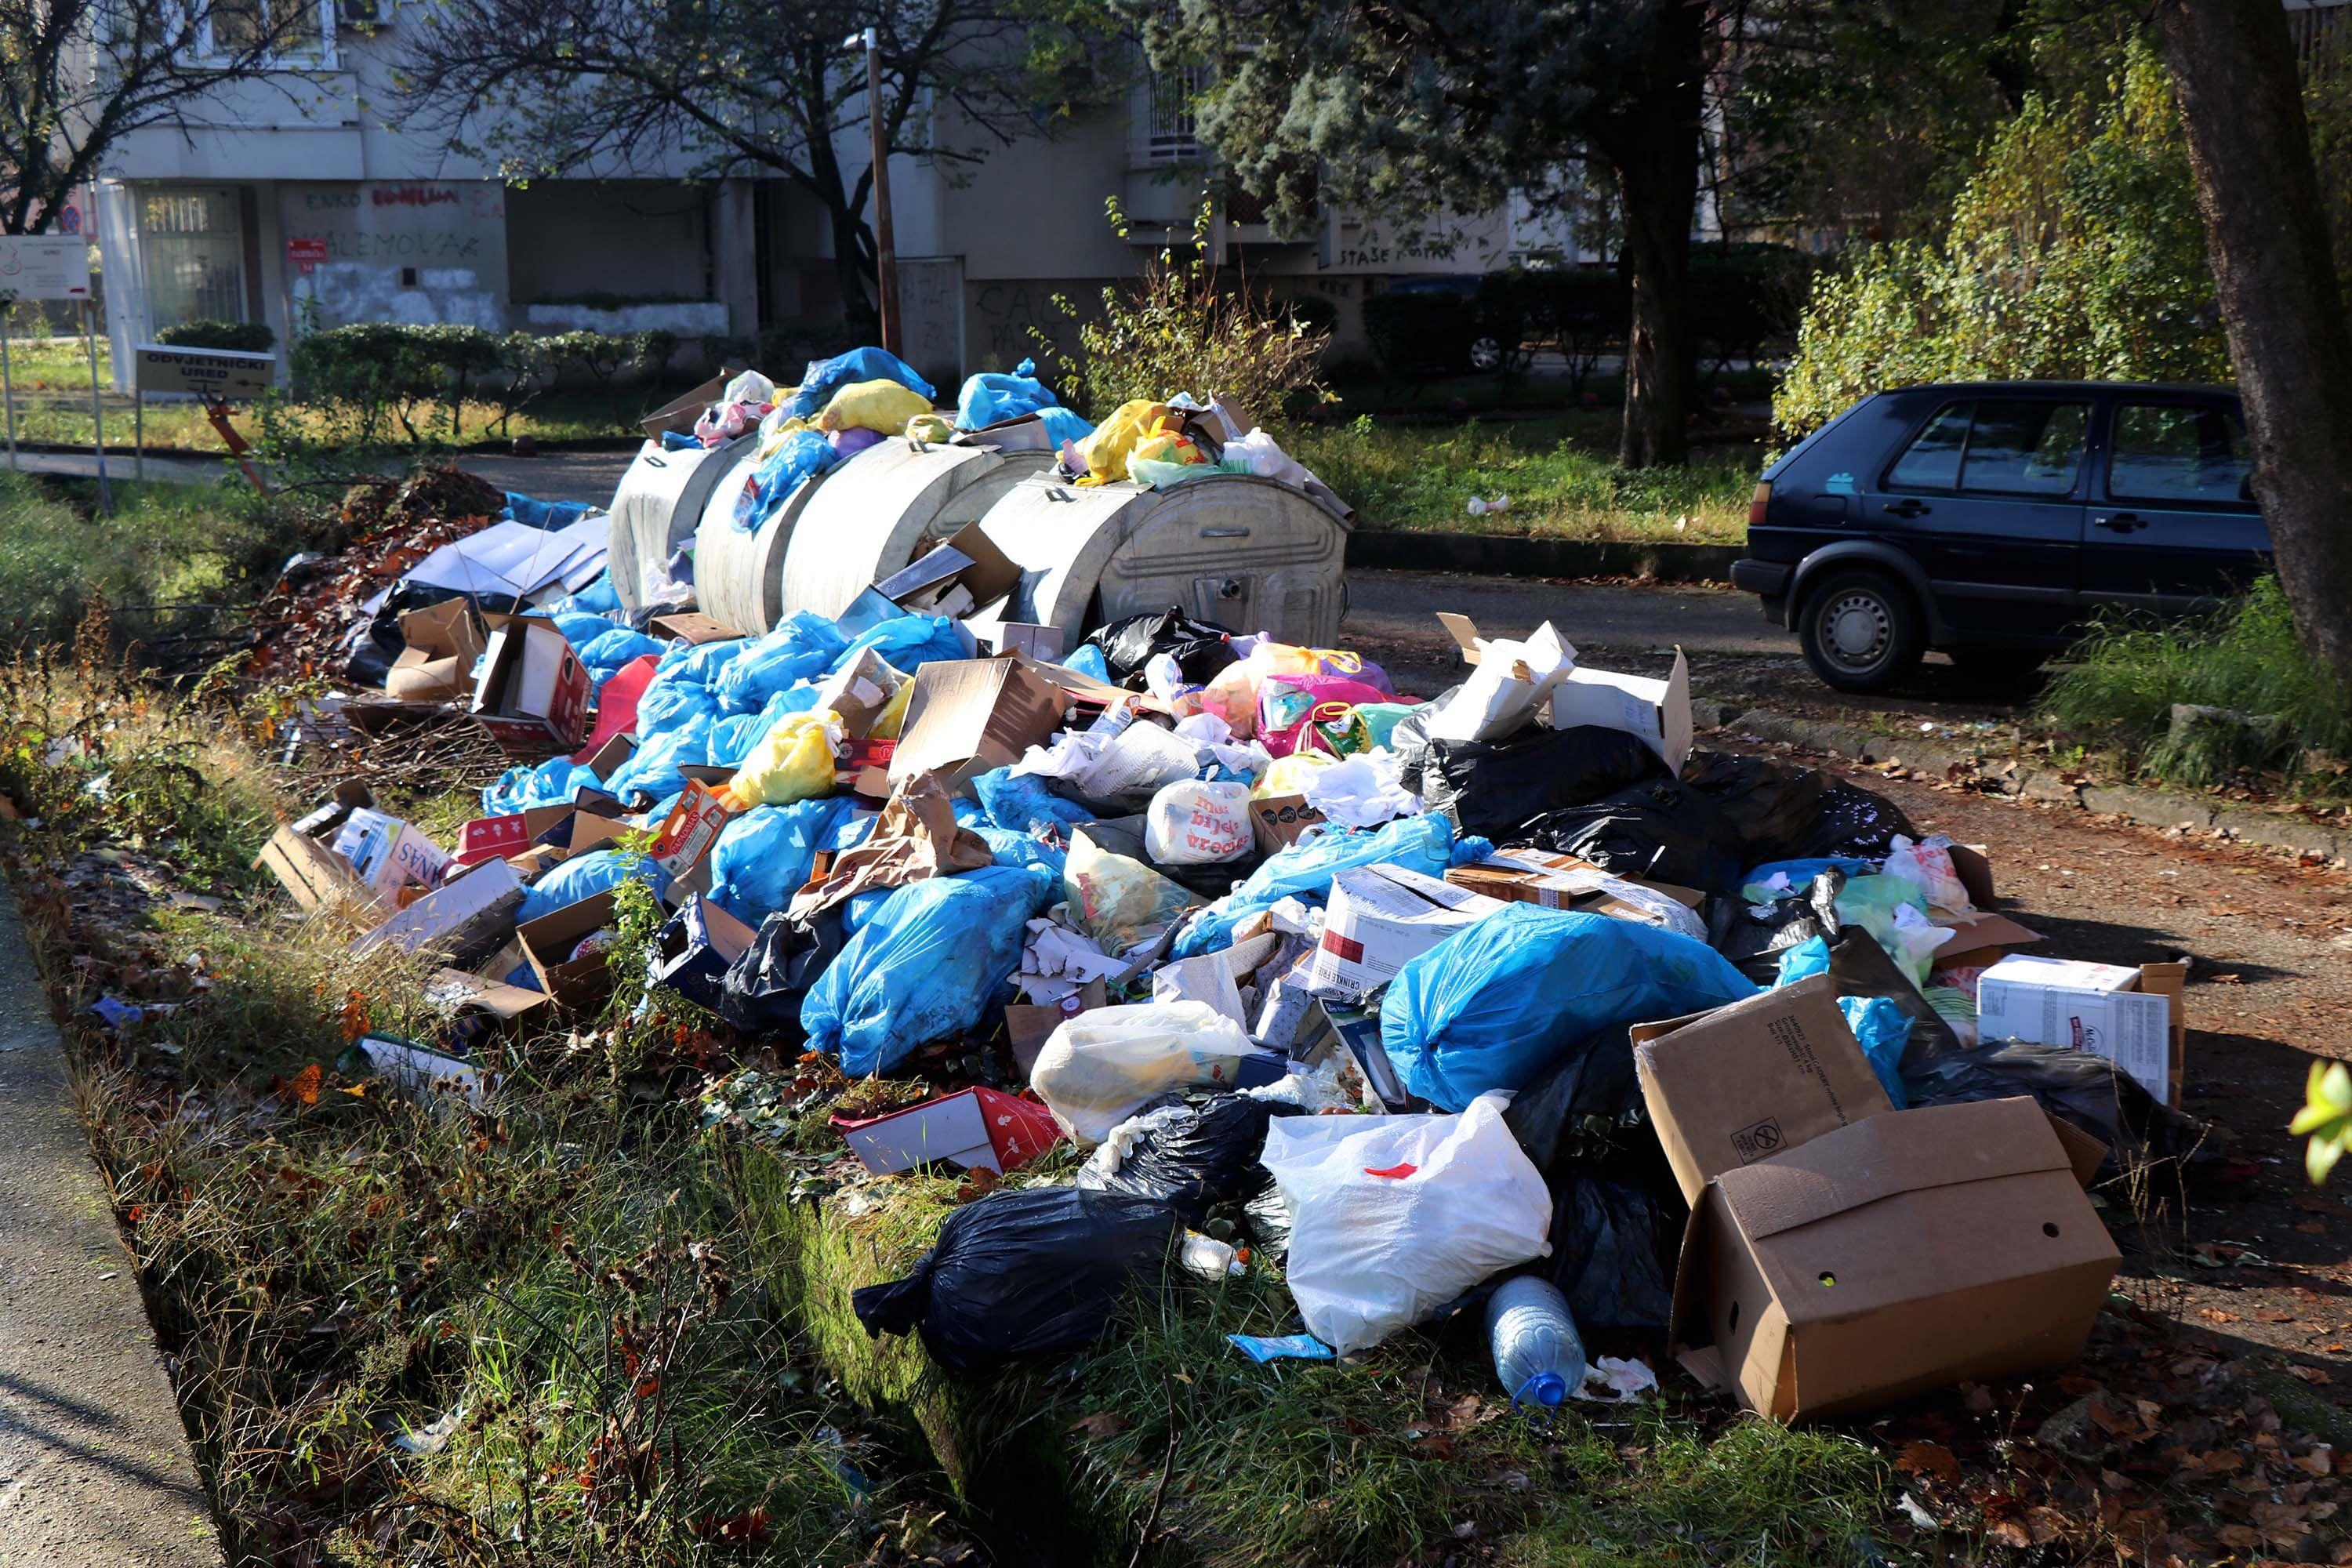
point(2180, 452)
point(1997, 446)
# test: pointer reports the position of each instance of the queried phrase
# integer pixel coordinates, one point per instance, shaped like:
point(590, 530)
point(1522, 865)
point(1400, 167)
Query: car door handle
point(2122, 522)
point(1907, 508)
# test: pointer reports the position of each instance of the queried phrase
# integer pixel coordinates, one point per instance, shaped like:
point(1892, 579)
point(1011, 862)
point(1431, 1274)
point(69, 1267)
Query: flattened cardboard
point(968, 715)
point(1658, 713)
point(437, 664)
point(1277, 821)
point(1557, 881)
point(677, 417)
point(461, 919)
point(1730, 1087)
point(1902, 1253)
point(693, 629)
point(532, 697)
point(968, 558)
point(459, 993)
point(547, 943)
point(1981, 938)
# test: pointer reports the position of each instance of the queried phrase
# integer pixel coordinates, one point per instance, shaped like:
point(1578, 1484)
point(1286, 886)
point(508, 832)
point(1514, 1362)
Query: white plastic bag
point(1266, 459)
point(1194, 823)
point(1363, 791)
point(1393, 1216)
point(1138, 762)
point(1510, 680)
point(1101, 1067)
point(1928, 865)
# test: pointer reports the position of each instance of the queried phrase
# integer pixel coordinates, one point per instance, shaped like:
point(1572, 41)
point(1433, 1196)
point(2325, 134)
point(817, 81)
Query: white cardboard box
point(388, 853)
point(1658, 711)
point(2103, 1011)
point(1379, 919)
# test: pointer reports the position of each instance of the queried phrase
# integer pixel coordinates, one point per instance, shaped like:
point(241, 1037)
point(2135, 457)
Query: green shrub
point(2127, 675)
point(248, 337)
point(381, 371)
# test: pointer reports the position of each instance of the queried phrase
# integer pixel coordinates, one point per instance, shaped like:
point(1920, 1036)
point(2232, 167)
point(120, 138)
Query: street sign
point(306, 253)
point(216, 375)
point(45, 266)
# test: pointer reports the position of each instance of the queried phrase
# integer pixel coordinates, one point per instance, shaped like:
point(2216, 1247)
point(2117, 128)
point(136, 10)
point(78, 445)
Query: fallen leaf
point(1102, 1423)
point(1924, 1458)
point(302, 1089)
point(2310, 1374)
point(2274, 1317)
point(2215, 1315)
point(2315, 1461)
point(2012, 1533)
point(2222, 1461)
point(2240, 1537)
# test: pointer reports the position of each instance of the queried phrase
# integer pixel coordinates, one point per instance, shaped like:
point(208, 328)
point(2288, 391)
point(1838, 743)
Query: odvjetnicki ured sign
point(216, 375)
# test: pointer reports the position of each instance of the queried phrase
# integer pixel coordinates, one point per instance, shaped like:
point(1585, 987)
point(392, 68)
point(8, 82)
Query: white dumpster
point(1246, 552)
point(656, 508)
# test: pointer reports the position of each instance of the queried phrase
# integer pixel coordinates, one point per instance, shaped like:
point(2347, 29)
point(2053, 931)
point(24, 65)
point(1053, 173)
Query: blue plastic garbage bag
point(1022, 803)
point(655, 771)
point(924, 965)
point(1065, 424)
point(699, 666)
point(993, 395)
point(1425, 844)
point(533, 512)
point(1023, 850)
point(907, 643)
point(598, 598)
point(1882, 1028)
point(579, 628)
point(739, 732)
point(552, 782)
point(763, 856)
point(804, 647)
point(796, 458)
point(584, 877)
point(1497, 1003)
point(664, 708)
point(1088, 661)
point(604, 654)
point(822, 378)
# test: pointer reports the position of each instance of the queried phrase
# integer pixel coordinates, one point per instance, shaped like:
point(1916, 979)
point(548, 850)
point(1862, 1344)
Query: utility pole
point(885, 254)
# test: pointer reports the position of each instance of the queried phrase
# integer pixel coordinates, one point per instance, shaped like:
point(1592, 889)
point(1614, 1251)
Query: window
point(292, 30)
point(2174, 452)
point(194, 243)
point(2029, 447)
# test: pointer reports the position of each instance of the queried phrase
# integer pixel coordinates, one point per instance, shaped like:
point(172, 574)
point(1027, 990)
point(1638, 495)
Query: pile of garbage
point(1507, 999)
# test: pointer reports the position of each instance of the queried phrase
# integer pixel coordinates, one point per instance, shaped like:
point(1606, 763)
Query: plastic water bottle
point(1536, 1352)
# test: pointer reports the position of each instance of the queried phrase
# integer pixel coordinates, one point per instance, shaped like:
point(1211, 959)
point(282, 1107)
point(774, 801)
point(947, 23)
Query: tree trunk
point(852, 275)
point(2266, 236)
point(1654, 150)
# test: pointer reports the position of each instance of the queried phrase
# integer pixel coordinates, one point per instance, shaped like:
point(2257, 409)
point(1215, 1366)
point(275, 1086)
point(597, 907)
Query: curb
point(2029, 778)
point(1500, 555)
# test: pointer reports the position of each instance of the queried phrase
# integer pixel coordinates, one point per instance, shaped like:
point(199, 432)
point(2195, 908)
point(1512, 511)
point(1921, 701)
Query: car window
point(2003, 446)
point(2025, 446)
point(2176, 452)
point(1932, 462)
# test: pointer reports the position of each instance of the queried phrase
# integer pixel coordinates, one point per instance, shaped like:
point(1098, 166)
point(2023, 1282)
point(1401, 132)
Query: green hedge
point(380, 374)
point(249, 337)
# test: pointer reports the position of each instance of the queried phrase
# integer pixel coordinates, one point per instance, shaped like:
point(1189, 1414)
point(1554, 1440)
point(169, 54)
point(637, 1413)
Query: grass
point(2122, 682)
point(1560, 474)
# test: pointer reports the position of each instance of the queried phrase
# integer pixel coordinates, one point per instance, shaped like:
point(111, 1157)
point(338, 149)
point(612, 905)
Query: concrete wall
point(398, 250)
point(633, 237)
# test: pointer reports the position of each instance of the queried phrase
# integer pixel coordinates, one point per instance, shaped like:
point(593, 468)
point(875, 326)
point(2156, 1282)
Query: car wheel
point(1860, 631)
point(1485, 353)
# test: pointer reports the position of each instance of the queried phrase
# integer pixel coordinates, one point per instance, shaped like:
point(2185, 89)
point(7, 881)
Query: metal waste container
point(859, 521)
point(657, 508)
point(1251, 553)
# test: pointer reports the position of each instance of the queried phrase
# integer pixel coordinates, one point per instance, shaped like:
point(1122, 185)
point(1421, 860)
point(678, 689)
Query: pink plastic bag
point(1289, 705)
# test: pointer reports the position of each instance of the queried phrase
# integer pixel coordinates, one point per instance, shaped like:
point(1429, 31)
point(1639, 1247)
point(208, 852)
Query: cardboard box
point(1379, 916)
point(319, 879)
point(690, 830)
point(500, 837)
point(1026, 636)
point(1979, 940)
point(696, 947)
point(1556, 881)
point(677, 417)
point(606, 757)
point(969, 560)
point(389, 854)
point(967, 716)
point(1028, 1026)
point(2131, 1016)
point(1904, 1252)
point(533, 694)
point(1277, 821)
point(1658, 711)
point(462, 920)
point(859, 691)
point(692, 628)
point(977, 1129)
point(1727, 1087)
point(437, 666)
point(1215, 978)
point(547, 945)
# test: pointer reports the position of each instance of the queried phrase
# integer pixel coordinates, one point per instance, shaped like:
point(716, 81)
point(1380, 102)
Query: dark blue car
point(1993, 519)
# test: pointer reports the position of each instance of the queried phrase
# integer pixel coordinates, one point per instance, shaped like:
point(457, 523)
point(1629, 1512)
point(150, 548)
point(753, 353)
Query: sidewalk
point(95, 1469)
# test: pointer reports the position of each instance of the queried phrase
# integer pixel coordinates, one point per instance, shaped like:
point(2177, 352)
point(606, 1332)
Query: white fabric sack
point(1506, 685)
point(1363, 791)
point(1370, 1254)
point(1195, 822)
point(1101, 1067)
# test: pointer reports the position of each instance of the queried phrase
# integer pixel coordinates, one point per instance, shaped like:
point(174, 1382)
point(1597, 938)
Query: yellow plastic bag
point(893, 717)
point(936, 428)
point(793, 762)
point(1106, 451)
point(1288, 775)
point(880, 404)
point(1121, 903)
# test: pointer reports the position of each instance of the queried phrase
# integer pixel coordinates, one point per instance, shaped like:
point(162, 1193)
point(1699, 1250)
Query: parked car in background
point(1443, 323)
point(1994, 520)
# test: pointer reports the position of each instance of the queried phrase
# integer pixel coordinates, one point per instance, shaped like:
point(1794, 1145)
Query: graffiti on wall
point(411, 251)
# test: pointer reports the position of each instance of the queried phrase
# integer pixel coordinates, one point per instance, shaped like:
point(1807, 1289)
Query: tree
point(77, 75)
point(550, 86)
point(1408, 109)
point(2281, 305)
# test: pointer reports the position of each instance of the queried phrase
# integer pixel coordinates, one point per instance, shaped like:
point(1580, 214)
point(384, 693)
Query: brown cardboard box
point(319, 879)
point(677, 415)
point(610, 757)
point(1727, 1087)
point(547, 943)
point(1277, 821)
point(859, 691)
point(533, 694)
point(1028, 1027)
point(969, 715)
point(444, 640)
point(693, 629)
point(1902, 1253)
point(967, 559)
point(460, 921)
point(1541, 877)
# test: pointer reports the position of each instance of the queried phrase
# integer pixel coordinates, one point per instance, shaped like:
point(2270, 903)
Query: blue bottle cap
point(1546, 1388)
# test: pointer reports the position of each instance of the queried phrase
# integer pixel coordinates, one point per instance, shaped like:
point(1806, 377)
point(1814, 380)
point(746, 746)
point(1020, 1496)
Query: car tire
point(1860, 630)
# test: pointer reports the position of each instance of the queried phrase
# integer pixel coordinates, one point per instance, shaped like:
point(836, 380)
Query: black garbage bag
point(1614, 1246)
point(1022, 1275)
point(1195, 1158)
point(1585, 1106)
point(376, 645)
point(1130, 643)
point(2085, 1089)
point(1754, 936)
point(763, 990)
point(1663, 831)
point(1494, 788)
point(1778, 811)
